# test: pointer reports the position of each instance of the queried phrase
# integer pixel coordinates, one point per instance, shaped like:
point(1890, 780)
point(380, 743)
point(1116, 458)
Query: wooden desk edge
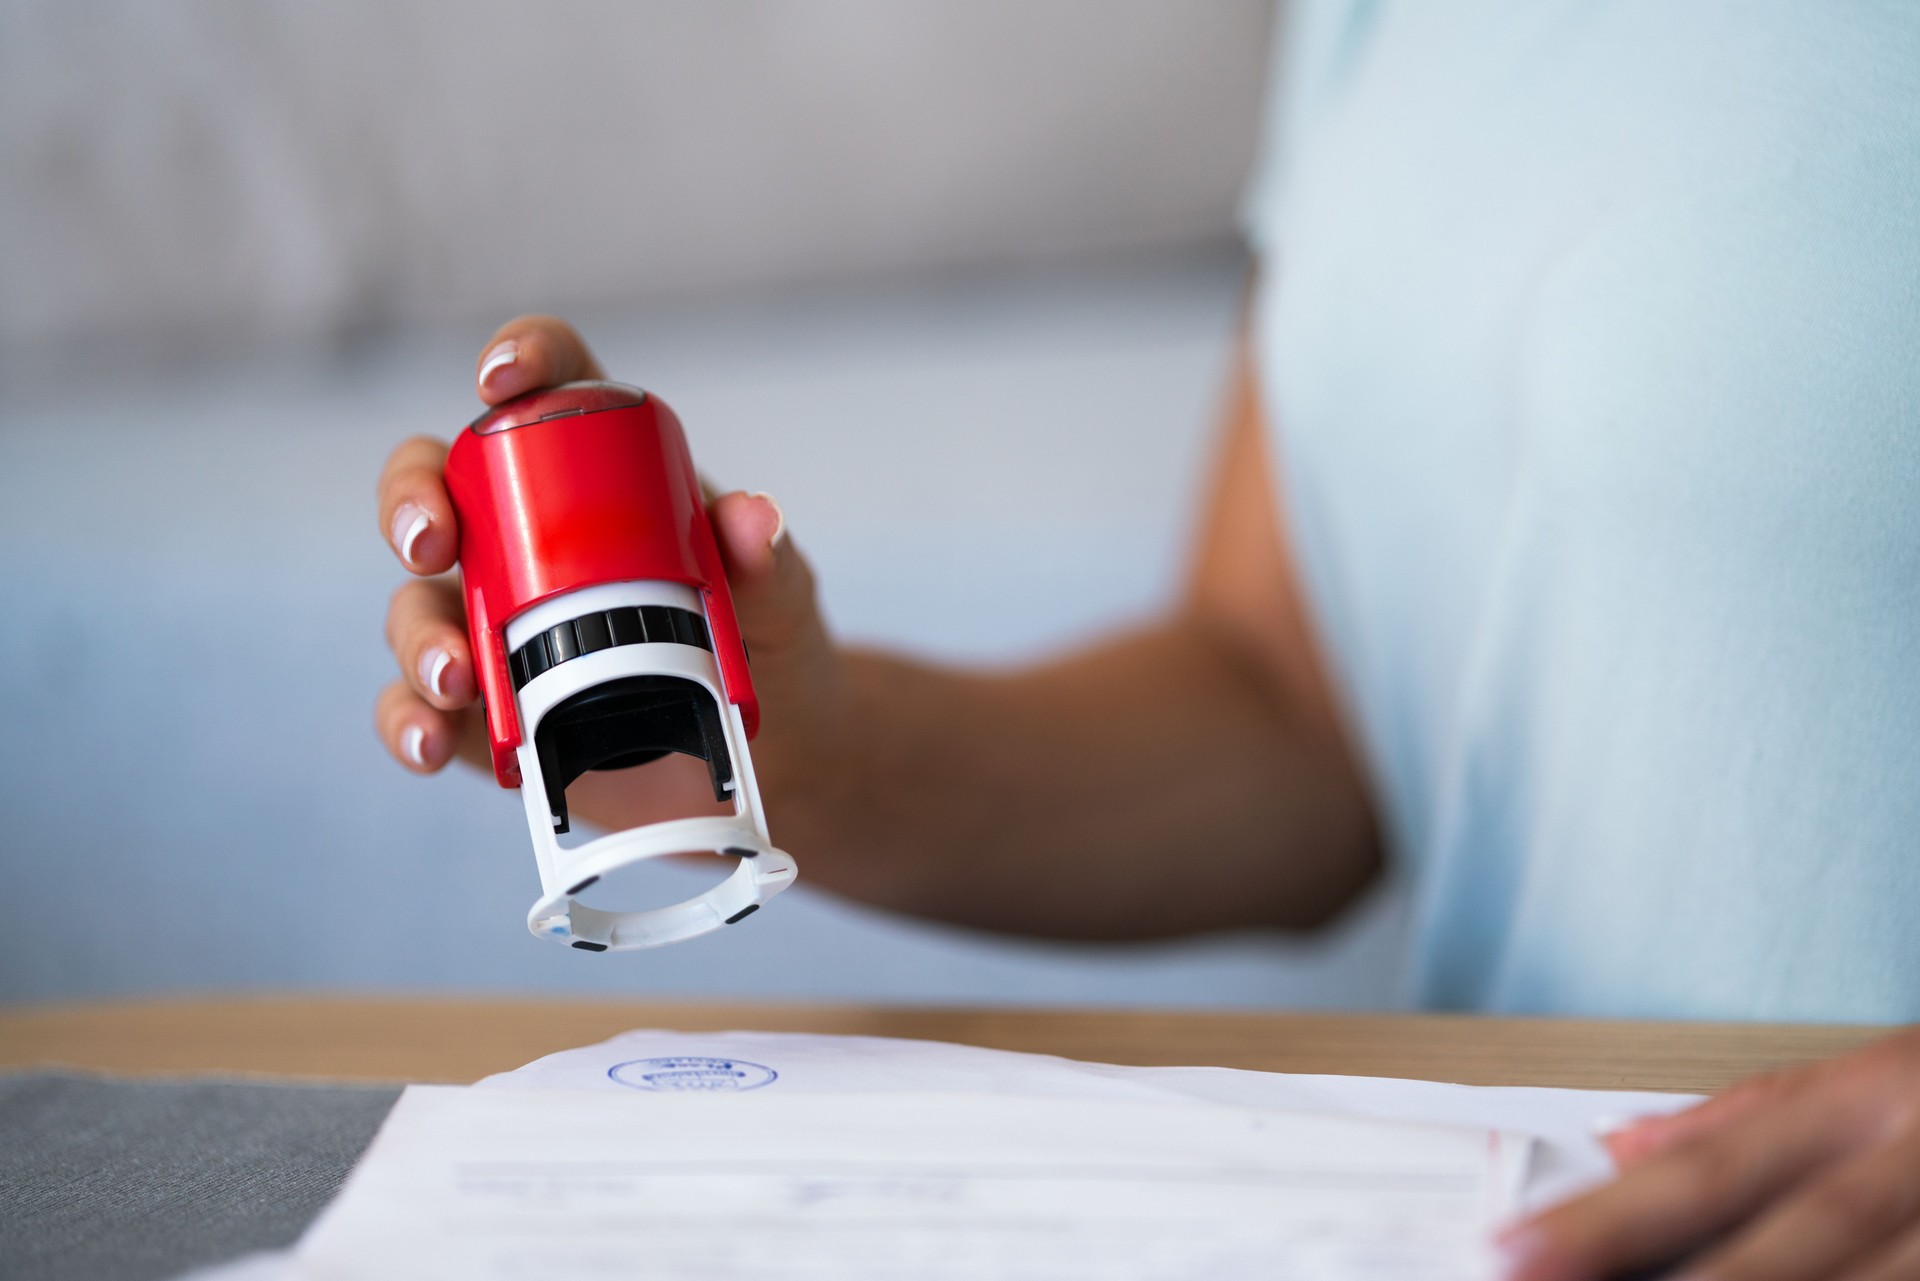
point(391, 1038)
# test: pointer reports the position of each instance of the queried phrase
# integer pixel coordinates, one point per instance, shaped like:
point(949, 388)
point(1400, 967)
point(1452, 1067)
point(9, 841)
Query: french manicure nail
point(434, 663)
point(414, 744)
point(779, 518)
point(409, 522)
point(1605, 1127)
point(499, 358)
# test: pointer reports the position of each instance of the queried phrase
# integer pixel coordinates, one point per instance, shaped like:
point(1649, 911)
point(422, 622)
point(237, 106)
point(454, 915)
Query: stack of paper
point(748, 1155)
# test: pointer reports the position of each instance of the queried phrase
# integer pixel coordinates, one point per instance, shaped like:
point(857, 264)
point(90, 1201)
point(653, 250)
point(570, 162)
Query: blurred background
point(955, 279)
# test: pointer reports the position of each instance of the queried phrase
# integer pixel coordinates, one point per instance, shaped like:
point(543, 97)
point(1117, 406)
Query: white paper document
point(1566, 1156)
point(729, 1186)
point(737, 1155)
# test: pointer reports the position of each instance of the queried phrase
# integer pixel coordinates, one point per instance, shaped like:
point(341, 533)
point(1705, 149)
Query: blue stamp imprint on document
point(684, 1074)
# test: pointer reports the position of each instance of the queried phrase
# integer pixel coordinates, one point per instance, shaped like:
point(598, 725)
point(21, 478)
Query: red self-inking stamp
point(604, 636)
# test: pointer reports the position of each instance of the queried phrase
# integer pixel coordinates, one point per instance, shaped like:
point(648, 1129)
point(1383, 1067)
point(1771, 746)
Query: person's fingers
point(421, 737)
point(1851, 1088)
point(1842, 1217)
point(529, 352)
point(1648, 1136)
point(773, 588)
point(416, 516)
point(796, 669)
point(426, 629)
point(749, 528)
point(1677, 1200)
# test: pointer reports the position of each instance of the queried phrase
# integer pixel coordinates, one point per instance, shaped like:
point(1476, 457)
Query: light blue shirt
point(1591, 337)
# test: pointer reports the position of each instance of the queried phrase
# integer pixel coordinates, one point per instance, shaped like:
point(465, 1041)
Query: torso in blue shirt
point(1591, 335)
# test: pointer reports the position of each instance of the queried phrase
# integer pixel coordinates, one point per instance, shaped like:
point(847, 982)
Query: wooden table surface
point(458, 1040)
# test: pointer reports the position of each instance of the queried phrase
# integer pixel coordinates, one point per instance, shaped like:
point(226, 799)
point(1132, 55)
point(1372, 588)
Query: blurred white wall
point(189, 171)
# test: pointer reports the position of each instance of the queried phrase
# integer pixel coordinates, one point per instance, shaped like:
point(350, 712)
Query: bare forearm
point(1151, 786)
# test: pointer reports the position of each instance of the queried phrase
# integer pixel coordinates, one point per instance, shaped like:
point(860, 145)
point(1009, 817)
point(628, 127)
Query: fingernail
point(1605, 1127)
point(434, 663)
point(779, 518)
point(502, 355)
point(414, 744)
point(409, 522)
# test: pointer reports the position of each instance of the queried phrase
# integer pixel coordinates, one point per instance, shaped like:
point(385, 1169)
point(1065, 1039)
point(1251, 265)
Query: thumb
point(773, 596)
